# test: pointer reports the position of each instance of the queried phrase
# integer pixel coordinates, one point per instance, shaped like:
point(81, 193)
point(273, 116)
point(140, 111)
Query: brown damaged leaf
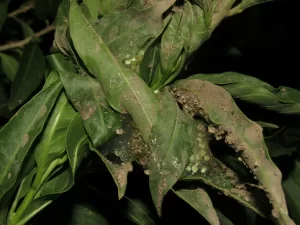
point(203, 166)
point(119, 172)
point(217, 107)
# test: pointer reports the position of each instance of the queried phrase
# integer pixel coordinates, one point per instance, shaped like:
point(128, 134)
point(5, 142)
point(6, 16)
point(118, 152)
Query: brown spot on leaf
point(87, 112)
point(25, 139)
point(43, 111)
point(121, 174)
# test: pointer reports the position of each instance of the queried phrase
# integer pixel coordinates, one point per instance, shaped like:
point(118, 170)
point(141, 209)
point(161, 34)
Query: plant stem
point(24, 9)
point(22, 43)
point(38, 182)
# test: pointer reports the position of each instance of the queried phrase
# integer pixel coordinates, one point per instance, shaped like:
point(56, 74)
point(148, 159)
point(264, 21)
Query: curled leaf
point(216, 106)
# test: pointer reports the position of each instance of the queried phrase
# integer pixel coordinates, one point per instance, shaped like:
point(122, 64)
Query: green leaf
point(26, 29)
point(10, 201)
point(170, 143)
point(51, 143)
point(17, 136)
point(244, 4)
point(216, 106)
point(118, 171)
point(94, 7)
point(138, 212)
point(38, 197)
point(9, 66)
point(150, 61)
point(292, 189)
point(109, 6)
point(126, 32)
point(201, 202)
point(100, 121)
point(283, 142)
point(189, 28)
point(46, 9)
point(30, 74)
point(283, 100)
point(85, 215)
point(3, 12)
point(77, 143)
point(61, 183)
point(118, 83)
point(58, 61)
point(267, 125)
point(23, 188)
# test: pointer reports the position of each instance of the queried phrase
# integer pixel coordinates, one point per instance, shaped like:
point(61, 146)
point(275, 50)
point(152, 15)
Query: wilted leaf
point(118, 171)
point(203, 166)
point(100, 121)
point(17, 136)
point(216, 106)
point(170, 144)
point(9, 66)
point(30, 74)
point(201, 202)
point(250, 89)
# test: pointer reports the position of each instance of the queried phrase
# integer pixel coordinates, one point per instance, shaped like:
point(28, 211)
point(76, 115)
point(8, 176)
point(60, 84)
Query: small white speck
point(127, 61)
point(203, 170)
point(119, 131)
point(9, 176)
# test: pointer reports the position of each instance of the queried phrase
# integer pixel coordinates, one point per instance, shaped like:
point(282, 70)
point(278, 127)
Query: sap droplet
point(240, 159)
